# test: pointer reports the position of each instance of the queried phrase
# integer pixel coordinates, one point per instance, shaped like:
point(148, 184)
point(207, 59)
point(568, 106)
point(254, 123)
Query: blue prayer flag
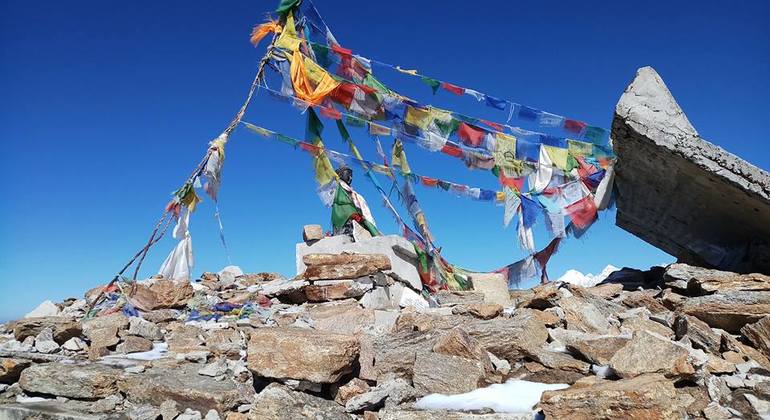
point(495, 102)
point(529, 211)
point(527, 113)
point(527, 150)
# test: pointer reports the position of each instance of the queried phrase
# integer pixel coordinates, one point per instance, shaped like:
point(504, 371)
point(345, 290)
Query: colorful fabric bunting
point(582, 213)
point(527, 113)
point(471, 136)
point(302, 80)
point(433, 83)
point(457, 90)
point(574, 126)
point(495, 102)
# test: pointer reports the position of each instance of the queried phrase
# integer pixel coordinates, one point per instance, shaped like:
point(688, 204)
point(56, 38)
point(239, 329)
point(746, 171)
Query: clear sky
point(108, 106)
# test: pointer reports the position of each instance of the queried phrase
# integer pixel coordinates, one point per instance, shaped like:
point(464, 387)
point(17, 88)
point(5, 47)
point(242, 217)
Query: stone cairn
point(350, 338)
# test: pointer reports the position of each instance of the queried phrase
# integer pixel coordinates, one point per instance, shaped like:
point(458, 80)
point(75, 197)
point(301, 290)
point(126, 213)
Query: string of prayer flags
point(311, 83)
point(457, 90)
point(398, 157)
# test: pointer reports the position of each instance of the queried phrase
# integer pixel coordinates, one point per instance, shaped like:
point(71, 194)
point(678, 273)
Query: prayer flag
point(487, 195)
point(331, 113)
point(512, 202)
point(527, 113)
point(398, 157)
point(495, 102)
point(529, 210)
point(579, 148)
point(574, 126)
point(457, 90)
point(471, 136)
point(550, 120)
point(505, 149)
point(433, 83)
point(378, 130)
point(553, 141)
point(452, 150)
point(595, 135)
point(477, 95)
point(542, 176)
point(527, 150)
point(582, 213)
point(259, 130)
point(418, 117)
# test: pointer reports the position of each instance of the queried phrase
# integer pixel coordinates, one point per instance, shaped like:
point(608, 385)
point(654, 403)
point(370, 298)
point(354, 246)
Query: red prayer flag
point(341, 51)
point(470, 135)
point(367, 89)
point(582, 212)
point(429, 182)
point(544, 255)
point(452, 150)
point(496, 126)
point(585, 169)
point(457, 90)
point(329, 112)
point(516, 183)
point(574, 126)
point(343, 94)
point(308, 147)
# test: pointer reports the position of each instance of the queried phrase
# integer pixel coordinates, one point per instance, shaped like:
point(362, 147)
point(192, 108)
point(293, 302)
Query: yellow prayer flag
point(558, 156)
point(579, 148)
point(505, 150)
point(418, 117)
point(288, 39)
point(301, 80)
point(324, 171)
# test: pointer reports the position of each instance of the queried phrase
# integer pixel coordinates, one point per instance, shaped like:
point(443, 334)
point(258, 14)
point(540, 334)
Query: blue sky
point(107, 107)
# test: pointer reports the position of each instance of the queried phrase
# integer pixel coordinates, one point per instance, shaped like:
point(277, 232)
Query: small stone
point(459, 343)
point(134, 369)
point(312, 233)
point(485, 310)
point(75, 344)
point(190, 414)
point(139, 327)
point(44, 342)
point(215, 368)
point(134, 344)
point(169, 409)
point(354, 387)
point(714, 411)
point(212, 415)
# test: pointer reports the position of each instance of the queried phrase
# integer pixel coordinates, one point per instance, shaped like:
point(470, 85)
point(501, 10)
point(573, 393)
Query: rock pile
point(349, 339)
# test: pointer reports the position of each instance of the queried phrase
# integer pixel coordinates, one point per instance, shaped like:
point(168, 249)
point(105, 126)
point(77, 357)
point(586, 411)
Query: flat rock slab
point(72, 381)
point(403, 259)
point(643, 397)
point(682, 194)
point(186, 387)
point(278, 401)
point(301, 353)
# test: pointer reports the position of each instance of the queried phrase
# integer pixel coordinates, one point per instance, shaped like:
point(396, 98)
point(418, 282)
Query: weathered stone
point(758, 334)
point(560, 361)
point(701, 280)
point(380, 261)
point(185, 339)
point(183, 385)
point(63, 328)
point(643, 397)
point(47, 308)
point(214, 369)
point(606, 291)
point(457, 297)
point(511, 338)
point(651, 353)
point(688, 175)
point(718, 365)
point(729, 311)
point(140, 327)
point(89, 381)
point(494, 287)
point(544, 297)
point(485, 310)
point(639, 299)
point(341, 317)
point(393, 355)
point(444, 374)
point(335, 290)
point(160, 316)
point(312, 233)
point(400, 252)
point(297, 353)
point(224, 342)
point(44, 342)
point(161, 294)
point(11, 368)
point(343, 271)
point(278, 401)
point(639, 323)
point(134, 344)
point(700, 334)
point(389, 393)
point(581, 315)
point(75, 344)
point(457, 342)
point(351, 389)
point(103, 331)
point(597, 349)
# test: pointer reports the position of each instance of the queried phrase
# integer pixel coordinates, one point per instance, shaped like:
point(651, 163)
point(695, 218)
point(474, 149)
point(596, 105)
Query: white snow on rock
point(513, 396)
point(587, 280)
point(46, 308)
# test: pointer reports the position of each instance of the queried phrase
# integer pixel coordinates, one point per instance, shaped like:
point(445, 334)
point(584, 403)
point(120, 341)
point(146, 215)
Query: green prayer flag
point(314, 127)
point(321, 54)
point(343, 207)
point(285, 6)
point(433, 83)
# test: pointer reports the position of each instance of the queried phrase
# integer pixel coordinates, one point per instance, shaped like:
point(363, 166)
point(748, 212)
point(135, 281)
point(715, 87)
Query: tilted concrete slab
point(682, 194)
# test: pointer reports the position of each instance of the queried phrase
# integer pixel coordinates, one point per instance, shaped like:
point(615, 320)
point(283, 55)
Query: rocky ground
point(337, 343)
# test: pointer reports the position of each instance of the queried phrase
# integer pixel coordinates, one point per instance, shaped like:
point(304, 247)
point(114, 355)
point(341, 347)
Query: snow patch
point(587, 280)
point(28, 400)
point(513, 396)
point(159, 351)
